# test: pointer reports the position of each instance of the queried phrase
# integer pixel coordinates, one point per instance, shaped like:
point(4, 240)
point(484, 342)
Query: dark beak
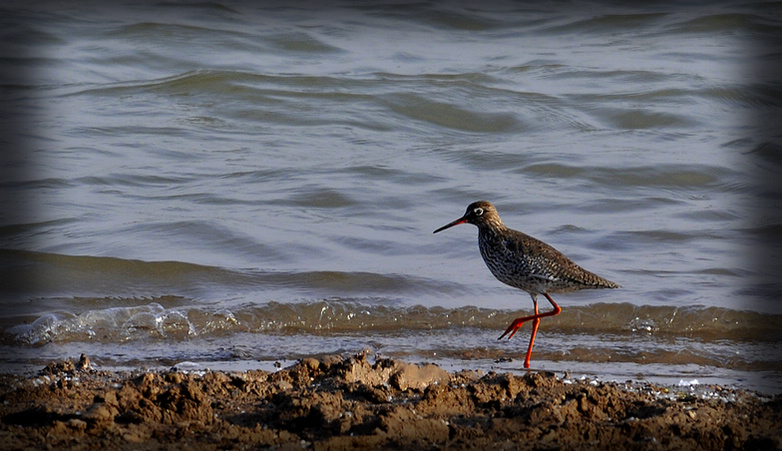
point(461, 220)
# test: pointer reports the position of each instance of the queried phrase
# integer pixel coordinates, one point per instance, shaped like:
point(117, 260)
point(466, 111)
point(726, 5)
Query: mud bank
point(359, 402)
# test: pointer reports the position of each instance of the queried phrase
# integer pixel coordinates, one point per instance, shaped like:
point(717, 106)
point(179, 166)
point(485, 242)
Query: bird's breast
point(508, 263)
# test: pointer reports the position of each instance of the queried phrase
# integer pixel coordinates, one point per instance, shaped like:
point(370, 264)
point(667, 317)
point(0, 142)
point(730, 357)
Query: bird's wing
point(537, 257)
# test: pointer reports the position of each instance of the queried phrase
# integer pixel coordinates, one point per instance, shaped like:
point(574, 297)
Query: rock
point(409, 376)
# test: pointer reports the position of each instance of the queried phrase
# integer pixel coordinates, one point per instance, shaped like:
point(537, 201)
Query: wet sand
point(361, 402)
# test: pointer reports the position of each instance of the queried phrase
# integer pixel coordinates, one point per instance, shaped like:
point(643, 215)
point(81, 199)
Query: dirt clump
point(333, 403)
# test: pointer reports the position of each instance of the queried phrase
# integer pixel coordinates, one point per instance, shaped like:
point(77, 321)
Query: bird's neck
point(491, 231)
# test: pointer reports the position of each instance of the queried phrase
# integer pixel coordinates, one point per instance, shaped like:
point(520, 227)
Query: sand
point(361, 402)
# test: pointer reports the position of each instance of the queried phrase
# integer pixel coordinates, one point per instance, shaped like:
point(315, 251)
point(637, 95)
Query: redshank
point(522, 261)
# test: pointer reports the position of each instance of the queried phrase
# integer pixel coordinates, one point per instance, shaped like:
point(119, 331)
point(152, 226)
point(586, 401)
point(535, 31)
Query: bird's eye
point(478, 211)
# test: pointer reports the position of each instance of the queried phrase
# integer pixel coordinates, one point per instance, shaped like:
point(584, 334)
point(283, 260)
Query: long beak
point(461, 220)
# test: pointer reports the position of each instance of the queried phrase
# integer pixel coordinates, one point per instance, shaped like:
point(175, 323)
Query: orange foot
point(513, 328)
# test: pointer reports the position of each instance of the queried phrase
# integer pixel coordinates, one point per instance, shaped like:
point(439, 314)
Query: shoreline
point(357, 402)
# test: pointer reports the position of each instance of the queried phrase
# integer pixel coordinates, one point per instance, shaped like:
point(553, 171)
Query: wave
point(338, 316)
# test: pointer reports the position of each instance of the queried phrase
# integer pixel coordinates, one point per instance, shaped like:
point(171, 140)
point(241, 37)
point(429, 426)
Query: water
point(225, 183)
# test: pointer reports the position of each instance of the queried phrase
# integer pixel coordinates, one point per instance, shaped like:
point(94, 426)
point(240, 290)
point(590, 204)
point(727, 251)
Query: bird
point(524, 262)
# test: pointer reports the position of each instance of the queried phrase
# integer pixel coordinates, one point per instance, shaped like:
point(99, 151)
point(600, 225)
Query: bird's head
point(480, 213)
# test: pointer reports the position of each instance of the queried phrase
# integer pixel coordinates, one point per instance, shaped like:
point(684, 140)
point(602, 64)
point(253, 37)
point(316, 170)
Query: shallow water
point(228, 182)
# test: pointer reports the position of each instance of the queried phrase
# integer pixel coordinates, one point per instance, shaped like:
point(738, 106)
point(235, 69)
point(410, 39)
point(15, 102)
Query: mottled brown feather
point(524, 262)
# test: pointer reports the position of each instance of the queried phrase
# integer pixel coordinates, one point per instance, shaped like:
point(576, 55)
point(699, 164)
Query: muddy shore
point(361, 402)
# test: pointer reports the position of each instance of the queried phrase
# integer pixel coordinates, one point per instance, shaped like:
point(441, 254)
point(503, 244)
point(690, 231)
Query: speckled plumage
point(524, 262)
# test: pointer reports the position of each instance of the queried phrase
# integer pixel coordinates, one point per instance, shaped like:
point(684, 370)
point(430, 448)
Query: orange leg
point(535, 323)
point(517, 323)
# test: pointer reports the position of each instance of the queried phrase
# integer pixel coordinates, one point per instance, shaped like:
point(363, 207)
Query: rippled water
point(229, 182)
